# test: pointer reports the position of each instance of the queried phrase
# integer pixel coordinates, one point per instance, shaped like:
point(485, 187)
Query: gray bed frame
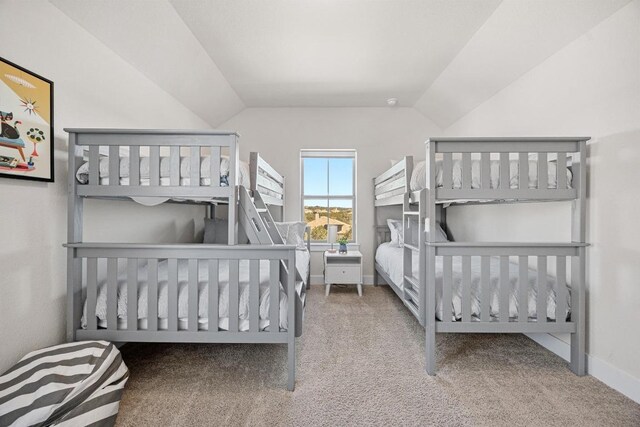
point(427, 207)
point(83, 257)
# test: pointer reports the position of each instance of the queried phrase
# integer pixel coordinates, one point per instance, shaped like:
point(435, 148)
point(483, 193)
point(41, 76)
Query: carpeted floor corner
point(360, 362)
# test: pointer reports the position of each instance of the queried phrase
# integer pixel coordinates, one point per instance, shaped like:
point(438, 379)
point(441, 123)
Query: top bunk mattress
point(82, 174)
point(419, 174)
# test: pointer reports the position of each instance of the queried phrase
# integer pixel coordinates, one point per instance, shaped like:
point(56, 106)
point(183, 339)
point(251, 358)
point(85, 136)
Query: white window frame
point(336, 153)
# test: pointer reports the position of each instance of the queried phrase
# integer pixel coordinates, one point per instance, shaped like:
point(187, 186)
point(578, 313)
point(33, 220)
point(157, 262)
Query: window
point(329, 192)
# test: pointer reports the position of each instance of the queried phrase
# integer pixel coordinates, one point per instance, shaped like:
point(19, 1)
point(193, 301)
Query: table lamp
point(332, 236)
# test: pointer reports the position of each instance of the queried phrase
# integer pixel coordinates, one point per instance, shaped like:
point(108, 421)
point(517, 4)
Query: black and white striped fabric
point(73, 384)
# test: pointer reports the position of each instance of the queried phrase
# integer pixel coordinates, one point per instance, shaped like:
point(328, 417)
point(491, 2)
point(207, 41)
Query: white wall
point(378, 135)
point(591, 87)
point(93, 87)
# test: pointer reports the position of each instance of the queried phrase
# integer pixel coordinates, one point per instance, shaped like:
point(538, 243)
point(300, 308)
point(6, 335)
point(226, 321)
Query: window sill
point(321, 247)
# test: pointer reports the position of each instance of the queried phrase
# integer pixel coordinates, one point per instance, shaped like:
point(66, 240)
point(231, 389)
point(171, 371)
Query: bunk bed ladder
point(256, 220)
point(267, 218)
point(412, 236)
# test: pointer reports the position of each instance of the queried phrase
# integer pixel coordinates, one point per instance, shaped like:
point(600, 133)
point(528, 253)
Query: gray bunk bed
point(478, 287)
point(198, 293)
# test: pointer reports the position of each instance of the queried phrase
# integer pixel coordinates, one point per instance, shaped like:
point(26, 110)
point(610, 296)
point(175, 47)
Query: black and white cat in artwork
point(8, 131)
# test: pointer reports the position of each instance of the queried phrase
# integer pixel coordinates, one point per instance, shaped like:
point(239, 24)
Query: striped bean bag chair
point(73, 384)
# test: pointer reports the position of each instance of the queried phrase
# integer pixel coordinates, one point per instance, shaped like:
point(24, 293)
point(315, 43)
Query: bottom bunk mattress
point(389, 259)
point(302, 259)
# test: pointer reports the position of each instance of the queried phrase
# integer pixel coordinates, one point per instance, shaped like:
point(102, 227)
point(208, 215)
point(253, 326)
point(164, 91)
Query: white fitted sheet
point(389, 257)
point(203, 295)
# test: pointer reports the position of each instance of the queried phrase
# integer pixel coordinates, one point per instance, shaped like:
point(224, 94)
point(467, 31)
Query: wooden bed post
point(375, 237)
point(284, 195)
point(422, 245)
point(233, 200)
point(291, 319)
point(74, 235)
point(578, 263)
point(253, 170)
point(430, 265)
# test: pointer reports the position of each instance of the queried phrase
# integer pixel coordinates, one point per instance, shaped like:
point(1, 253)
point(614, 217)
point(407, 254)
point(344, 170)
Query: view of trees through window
point(316, 218)
point(329, 195)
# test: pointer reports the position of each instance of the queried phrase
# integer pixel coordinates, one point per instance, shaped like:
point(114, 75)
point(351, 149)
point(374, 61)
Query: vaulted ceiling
point(332, 53)
point(443, 57)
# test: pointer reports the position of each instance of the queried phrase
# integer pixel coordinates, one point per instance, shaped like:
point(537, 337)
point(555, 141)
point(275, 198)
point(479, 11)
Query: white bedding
point(389, 257)
point(82, 174)
point(302, 263)
point(419, 175)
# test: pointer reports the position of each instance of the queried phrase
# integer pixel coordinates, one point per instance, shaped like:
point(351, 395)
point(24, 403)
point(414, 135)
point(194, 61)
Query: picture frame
point(26, 120)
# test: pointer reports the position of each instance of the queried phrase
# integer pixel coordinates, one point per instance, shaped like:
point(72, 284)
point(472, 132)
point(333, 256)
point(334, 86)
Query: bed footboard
point(547, 260)
point(125, 260)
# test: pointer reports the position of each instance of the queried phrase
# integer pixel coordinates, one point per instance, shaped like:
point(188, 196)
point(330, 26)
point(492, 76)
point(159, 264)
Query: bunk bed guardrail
point(513, 158)
point(391, 186)
point(488, 170)
point(266, 181)
point(150, 142)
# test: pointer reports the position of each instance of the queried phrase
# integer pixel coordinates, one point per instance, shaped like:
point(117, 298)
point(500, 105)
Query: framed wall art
point(26, 117)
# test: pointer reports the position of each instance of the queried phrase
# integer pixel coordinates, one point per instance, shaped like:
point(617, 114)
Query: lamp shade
point(333, 233)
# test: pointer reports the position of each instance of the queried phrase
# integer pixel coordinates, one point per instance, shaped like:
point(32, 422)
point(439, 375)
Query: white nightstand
point(343, 268)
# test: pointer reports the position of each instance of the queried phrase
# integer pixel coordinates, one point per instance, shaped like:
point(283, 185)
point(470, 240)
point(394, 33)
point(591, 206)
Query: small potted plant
point(36, 136)
point(343, 245)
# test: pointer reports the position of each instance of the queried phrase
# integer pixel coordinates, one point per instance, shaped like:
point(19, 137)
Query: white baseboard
point(597, 368)
point(553, 344)
point(318, 279)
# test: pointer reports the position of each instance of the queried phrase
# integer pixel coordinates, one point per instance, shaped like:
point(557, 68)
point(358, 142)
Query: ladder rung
point(261, 210)
point(413, 282)
point(411, 213)
point(413, 308)
point(411, 247)
point(412, 293)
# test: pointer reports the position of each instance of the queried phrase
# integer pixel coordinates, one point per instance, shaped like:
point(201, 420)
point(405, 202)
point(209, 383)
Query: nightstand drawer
point(342, 274)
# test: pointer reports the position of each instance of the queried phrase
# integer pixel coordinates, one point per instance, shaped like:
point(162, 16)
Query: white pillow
point(292, 233)
point(397, 232)
point(419, 176)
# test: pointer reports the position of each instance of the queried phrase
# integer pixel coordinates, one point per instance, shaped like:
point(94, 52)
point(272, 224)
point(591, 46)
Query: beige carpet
point(360, 362)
